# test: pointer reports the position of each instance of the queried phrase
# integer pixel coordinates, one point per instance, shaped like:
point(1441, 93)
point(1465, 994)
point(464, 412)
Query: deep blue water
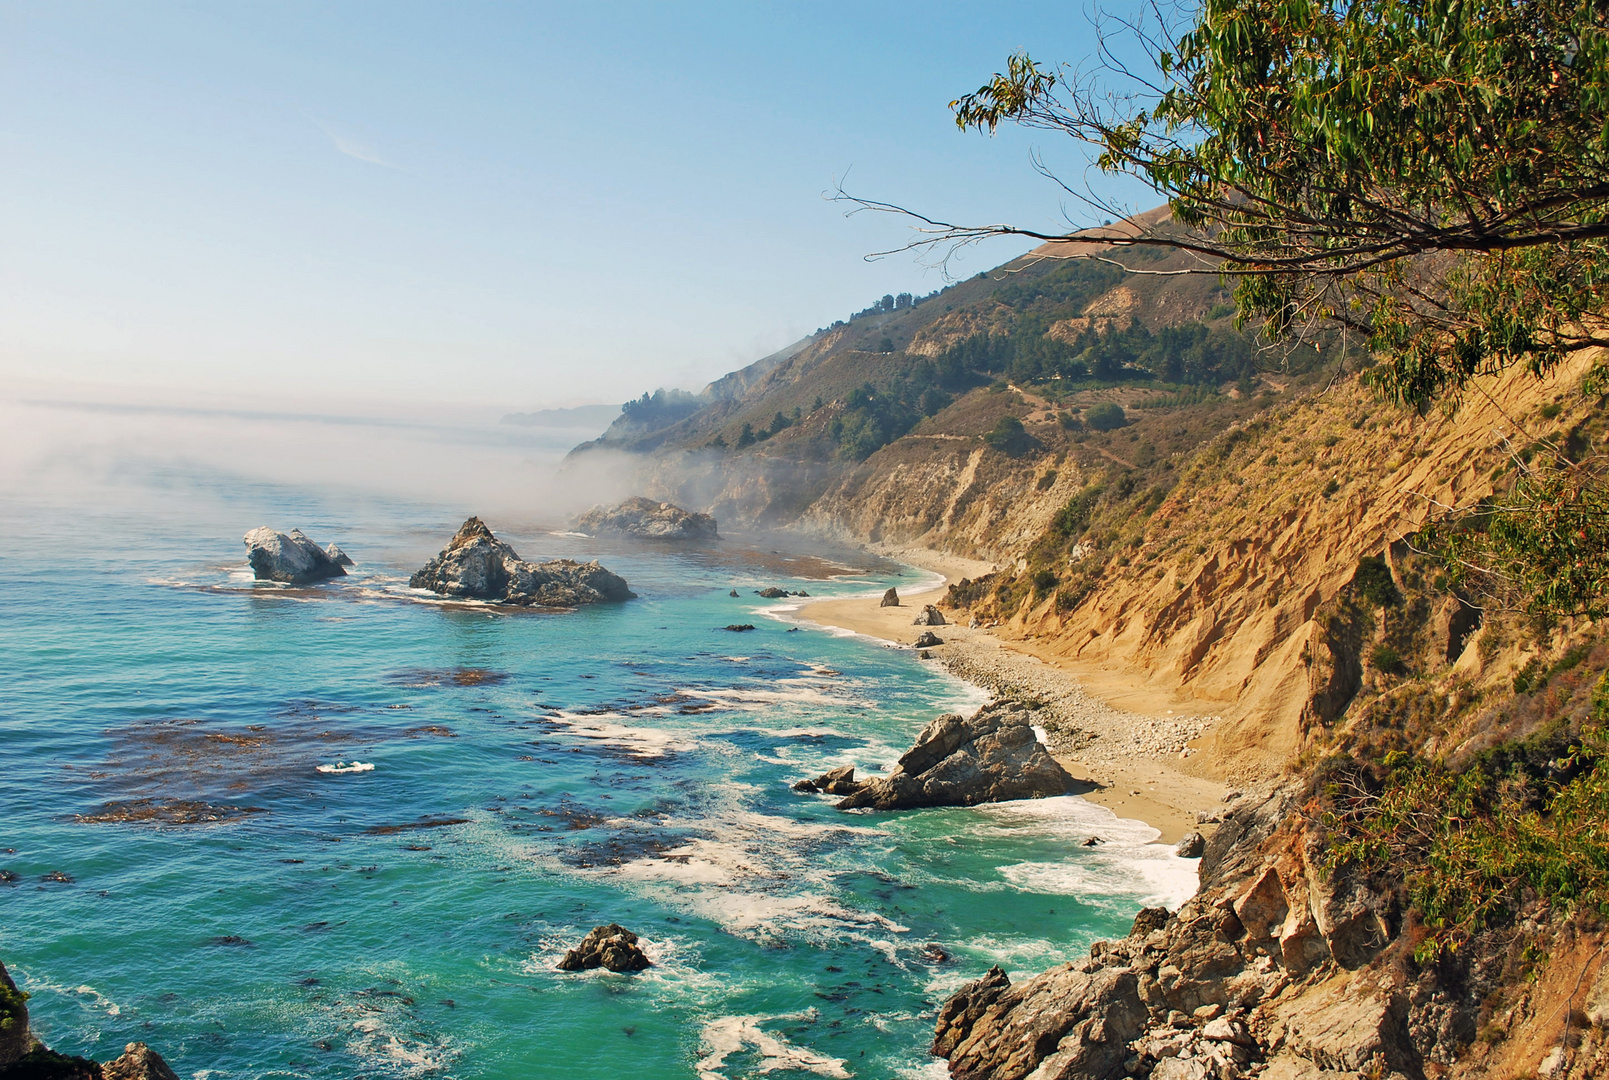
point(627, 763)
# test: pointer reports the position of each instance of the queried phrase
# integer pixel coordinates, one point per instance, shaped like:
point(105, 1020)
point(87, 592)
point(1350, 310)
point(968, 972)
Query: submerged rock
point(646, 519)
point(890, 598)
point(738, 628)
point(290, 557)
point(992, 757)
point(476, 565)
point(929, 616)
point(612, 947)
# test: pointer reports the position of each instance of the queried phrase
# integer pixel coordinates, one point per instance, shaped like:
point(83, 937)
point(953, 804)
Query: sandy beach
point(1121, 741)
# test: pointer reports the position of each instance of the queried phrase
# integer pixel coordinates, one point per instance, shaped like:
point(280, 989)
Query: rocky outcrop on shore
point(929, 616)
point(647, 519)
point(1280, 966)
point(612, 947)
point(993, 756)
point(476, 565)
point(292, 558)
point(24, 1056)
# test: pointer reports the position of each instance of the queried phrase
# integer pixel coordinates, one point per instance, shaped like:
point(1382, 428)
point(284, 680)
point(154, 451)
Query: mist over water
point(535, 774)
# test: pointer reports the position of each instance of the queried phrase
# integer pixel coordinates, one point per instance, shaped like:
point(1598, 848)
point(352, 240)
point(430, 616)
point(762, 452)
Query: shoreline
point(1123, 760)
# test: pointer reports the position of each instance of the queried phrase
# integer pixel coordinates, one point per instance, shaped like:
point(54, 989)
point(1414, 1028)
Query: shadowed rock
point(476, 565)
point(646, 519)
point(340, 558)
point(289, 557)
point(992, 757)
point(927, 640)
point(839, 781)
point(890, 598)
point(612, 947)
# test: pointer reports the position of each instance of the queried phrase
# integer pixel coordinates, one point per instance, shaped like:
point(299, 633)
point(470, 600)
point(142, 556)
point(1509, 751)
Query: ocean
point(179, 873)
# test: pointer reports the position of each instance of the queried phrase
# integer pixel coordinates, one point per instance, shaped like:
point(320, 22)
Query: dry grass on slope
point(1220, 593)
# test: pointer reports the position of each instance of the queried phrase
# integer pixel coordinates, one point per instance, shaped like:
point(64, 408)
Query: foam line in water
point(728, 1035)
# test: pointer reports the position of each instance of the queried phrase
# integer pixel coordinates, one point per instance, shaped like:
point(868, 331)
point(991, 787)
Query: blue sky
point(485, 203)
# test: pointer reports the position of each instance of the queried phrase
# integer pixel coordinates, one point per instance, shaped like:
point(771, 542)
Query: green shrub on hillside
point(1106, 416)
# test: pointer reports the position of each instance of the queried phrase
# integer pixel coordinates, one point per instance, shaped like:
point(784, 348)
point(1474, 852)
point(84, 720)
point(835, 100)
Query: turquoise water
point(626, 763)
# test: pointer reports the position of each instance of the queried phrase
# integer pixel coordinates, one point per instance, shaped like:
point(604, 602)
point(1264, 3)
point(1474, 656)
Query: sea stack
point(646, 519)
point(475, 565)
point(291, 557)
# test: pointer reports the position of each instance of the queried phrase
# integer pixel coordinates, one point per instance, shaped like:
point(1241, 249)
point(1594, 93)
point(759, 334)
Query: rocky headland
point(647, 519)
point(24, 1057)
point(475, 565)
point(292, 557)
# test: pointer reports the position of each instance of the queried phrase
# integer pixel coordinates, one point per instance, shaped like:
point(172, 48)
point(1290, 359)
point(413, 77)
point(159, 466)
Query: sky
point(516, 205)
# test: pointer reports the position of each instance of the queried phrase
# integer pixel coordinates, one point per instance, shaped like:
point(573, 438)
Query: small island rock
point(930, 616)
point(612, 947)
point(771, 593)
point(993, 756)
point(476, 565)
point(890, 598)
point(289, 557)
point(647, 519)
point(340, 558)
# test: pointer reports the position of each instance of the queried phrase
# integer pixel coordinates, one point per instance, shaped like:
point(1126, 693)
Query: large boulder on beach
point(289, 557)
point(992, 756)
point(929, 616)
point(890, 598)
point(647, 519)
point(476, 565)
point(612, 947)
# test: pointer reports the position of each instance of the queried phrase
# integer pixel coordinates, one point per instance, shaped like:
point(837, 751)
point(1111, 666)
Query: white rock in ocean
point(341, 558)
point(289, 557)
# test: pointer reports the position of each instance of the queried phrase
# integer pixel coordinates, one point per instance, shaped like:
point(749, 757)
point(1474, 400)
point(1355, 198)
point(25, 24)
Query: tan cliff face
point(1225, 597)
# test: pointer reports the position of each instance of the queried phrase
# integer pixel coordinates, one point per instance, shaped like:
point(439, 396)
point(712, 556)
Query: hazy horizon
point(493, 208)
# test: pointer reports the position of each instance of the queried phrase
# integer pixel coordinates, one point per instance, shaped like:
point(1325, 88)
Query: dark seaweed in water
point(166, 812)
point(421, 678)
point(423, 823)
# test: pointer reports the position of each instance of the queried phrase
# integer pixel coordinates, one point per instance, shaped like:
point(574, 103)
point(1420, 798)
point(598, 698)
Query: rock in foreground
point(991, 757)
point(476, 565)
point(646, 519)
point(23, 1055)
point(612, 947)
point(290, 557)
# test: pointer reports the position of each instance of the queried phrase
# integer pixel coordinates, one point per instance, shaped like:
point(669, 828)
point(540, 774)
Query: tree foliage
point(1432, 173)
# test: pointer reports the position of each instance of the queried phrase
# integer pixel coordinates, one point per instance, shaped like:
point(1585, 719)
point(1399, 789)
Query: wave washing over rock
point(647, 519)
point(475, 565)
